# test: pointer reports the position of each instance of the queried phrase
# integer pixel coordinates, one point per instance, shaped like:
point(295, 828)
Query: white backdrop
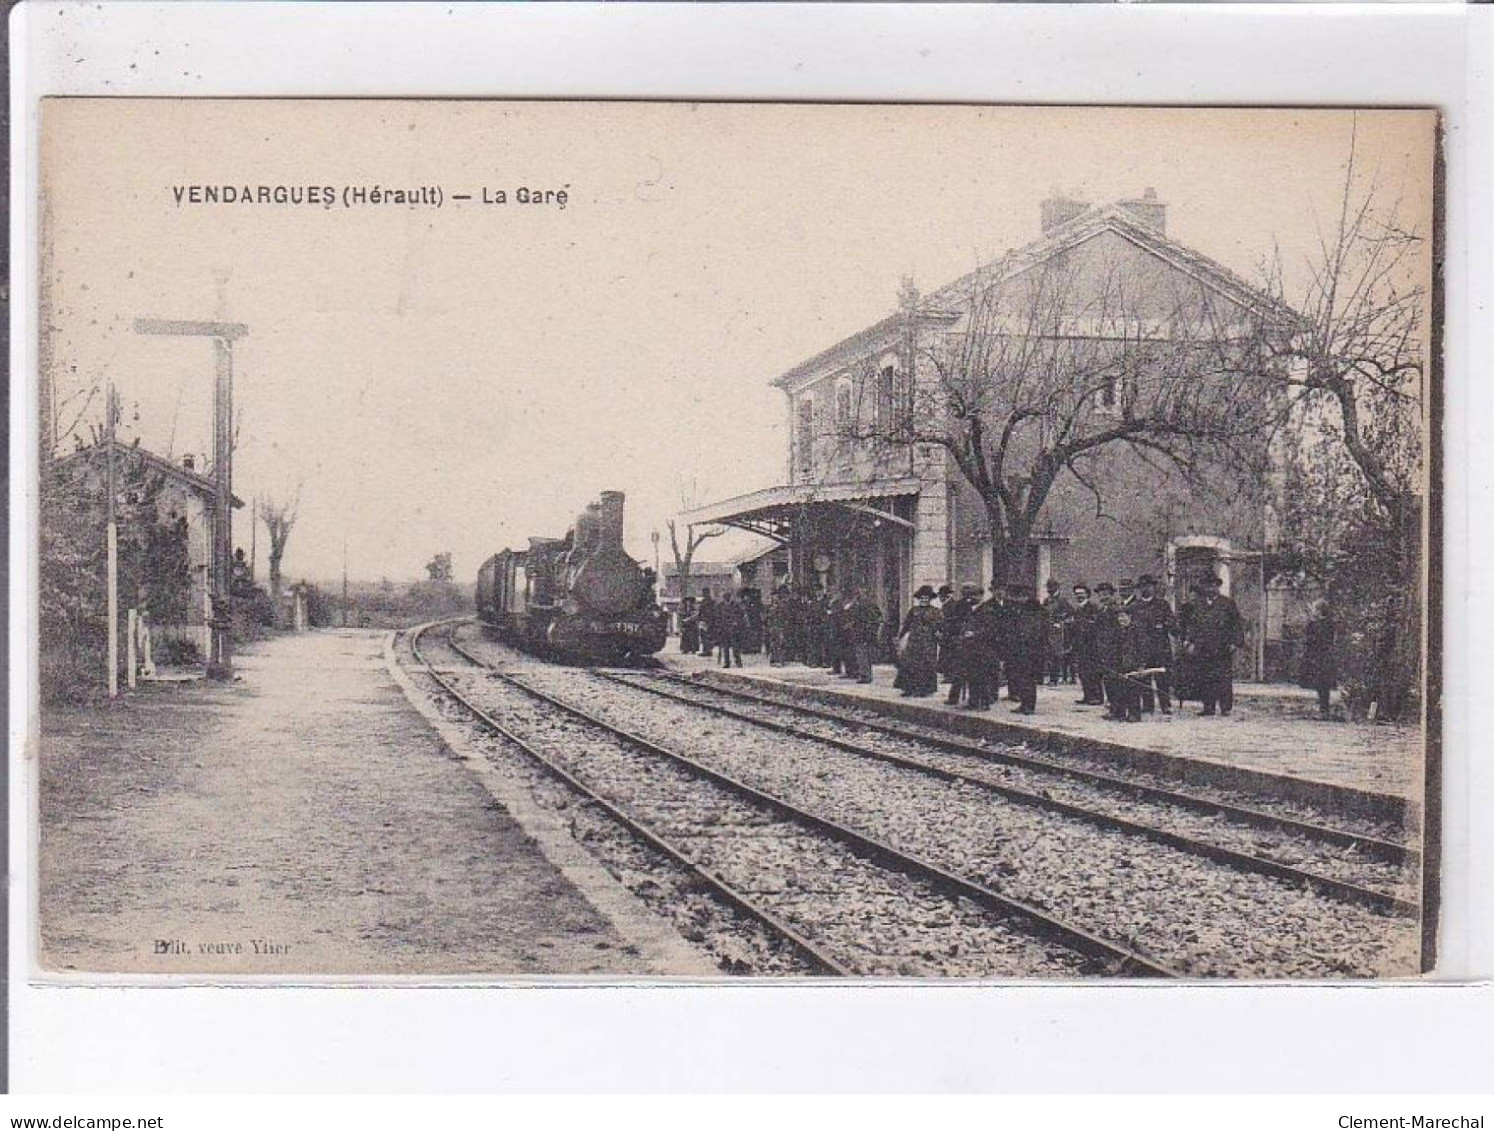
point(1089, 1038)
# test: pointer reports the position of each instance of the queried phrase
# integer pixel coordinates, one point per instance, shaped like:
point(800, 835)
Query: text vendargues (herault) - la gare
point(353, 196)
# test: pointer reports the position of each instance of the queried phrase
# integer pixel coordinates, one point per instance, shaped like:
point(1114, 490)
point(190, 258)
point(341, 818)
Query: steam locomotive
point(580, 598)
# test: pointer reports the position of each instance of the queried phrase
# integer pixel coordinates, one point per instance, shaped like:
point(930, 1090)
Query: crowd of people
point(1122, 645)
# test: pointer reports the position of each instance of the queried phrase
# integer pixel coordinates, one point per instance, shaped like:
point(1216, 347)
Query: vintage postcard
point(508, 539)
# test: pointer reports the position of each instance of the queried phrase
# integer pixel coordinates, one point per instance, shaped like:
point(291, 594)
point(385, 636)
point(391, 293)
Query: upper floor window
point(1116, 395)
point(886, 397)
point(804, 435)
point(843, 417)
point(1108, 401)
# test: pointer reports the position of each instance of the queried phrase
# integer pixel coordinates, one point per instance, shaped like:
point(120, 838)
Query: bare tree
point(684, 545)
point(279, 517)
point(1037, 370)
point(1355, 368)
point(1351, 481)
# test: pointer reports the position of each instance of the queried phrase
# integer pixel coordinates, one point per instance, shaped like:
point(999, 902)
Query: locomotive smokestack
point(610, 518)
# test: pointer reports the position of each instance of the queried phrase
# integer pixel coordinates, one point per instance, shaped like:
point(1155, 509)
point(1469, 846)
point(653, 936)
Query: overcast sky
point(461, 378)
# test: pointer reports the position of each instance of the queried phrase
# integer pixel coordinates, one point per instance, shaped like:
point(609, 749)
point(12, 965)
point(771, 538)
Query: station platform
point(1272, 744)
point(304, 819)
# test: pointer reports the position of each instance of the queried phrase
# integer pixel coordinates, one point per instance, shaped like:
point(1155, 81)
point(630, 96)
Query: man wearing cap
point(952, 652)
point(1025, 626)
point(1158, 626)
point(1215, 630)
point(1082, 641)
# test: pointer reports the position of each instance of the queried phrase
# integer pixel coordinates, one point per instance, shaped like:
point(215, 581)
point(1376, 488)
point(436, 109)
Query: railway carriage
point(578, 598)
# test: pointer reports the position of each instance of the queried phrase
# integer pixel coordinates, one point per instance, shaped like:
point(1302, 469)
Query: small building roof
point(770, 499)
point(199, 484)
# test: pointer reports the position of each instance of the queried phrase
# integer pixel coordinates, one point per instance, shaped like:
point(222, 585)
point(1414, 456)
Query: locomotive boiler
point(579, 598)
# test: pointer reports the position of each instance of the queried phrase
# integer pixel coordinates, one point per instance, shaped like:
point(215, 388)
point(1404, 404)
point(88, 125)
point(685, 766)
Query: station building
point(889, 518)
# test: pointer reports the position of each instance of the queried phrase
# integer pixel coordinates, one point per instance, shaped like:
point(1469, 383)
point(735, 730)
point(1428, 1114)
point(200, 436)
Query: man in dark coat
point(864, 627)
point(689, 626)
point(775, 620)
point(980, 653)
point(1026, 625)
point(705, 618)
point(942, 601)
point(837, 639)
point(1082, 636)
point(812, 622)
point(1106, 637)
point(1058, 612)
point(1215, 630)
point(1117, 652)
point(1158, 626)
point(1319, 669)
point(793, 626)
point(952, 647)
point(1131, 654)
point(730, 625)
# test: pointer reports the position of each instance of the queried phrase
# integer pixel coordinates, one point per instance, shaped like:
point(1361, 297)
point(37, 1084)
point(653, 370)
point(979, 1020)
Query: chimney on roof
point(1059, 209)
point(1148, 211)
point(189, 463)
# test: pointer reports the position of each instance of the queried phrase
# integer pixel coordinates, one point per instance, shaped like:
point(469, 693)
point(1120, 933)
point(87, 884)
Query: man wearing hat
point(864, 625)
point(1215, 630)
point(980, 653)
point(812, 627)
point(1158, 626)
point(1082, 642)
point(1025, 634)
point(777, 618)
point(952, 651)
point(1106, 636)
point(1117, 652)
point(1058, 612)
point(689, 626)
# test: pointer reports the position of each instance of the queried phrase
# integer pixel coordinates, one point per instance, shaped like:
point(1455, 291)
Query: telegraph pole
point(224, 334)
point(344, 581)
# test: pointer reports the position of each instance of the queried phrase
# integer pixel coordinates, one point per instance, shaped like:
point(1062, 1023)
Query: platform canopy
point(774, 511)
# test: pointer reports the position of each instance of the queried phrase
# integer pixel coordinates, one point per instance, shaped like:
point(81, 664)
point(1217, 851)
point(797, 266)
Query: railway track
point(855, 904)
point(1370, 843)
point(919, 748)
point(814, 960)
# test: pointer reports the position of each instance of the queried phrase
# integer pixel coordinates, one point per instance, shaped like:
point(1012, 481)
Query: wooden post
point(224, 334)
point(113, 567)
point(111, 537)
point(147, 649)
point(130, 651)
point(221, 666)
